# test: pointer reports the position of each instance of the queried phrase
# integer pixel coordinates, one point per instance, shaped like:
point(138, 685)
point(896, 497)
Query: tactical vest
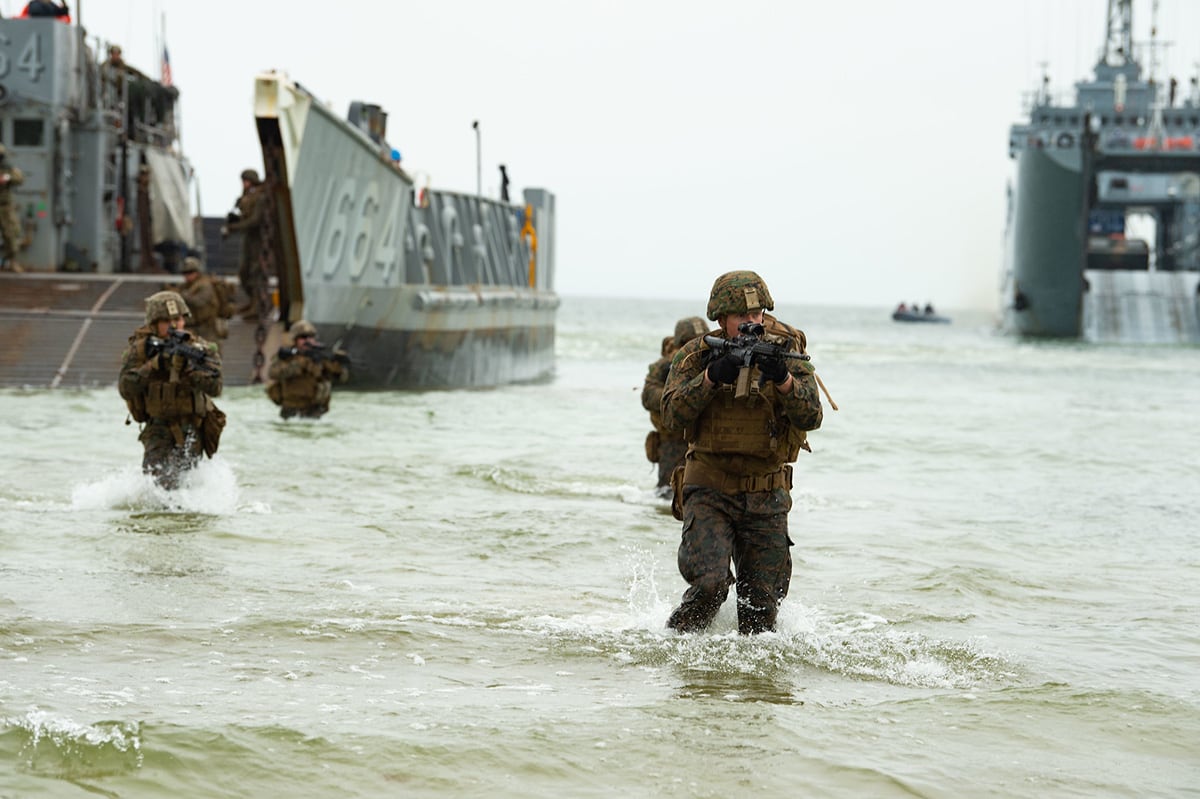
point(305, 390)
point(754, 425)
point(162, 399)
point(748, 426)
point(174, 401)
point(136, 402)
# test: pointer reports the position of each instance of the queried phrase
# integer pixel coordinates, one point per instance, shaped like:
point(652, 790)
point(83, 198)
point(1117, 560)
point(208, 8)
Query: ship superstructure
point(105, 188)
point(1103, 234)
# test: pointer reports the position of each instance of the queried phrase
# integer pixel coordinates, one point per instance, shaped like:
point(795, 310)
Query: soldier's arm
point(334, 369)
point(687, 392)
point(802, 400)
point(243, 221)
point(288, 368)
point(251, 217)
point(131, 382)
point(207, 377)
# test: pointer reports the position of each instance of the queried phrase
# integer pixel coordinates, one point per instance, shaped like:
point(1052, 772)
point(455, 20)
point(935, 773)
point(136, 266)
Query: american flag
point(166, 68)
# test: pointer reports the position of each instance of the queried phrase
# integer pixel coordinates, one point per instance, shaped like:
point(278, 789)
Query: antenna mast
point(1118, 33)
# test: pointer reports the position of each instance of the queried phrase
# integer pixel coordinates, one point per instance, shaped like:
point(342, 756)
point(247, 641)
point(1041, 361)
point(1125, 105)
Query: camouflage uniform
point(300, 384)
point(10, 220)
point(248, 221)
point(734, 489)
point(170, 396)
point(205, 301)
point(145, 227)
point(667, 445)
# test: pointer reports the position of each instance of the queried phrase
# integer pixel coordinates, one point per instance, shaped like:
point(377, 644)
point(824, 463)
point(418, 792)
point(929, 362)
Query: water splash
point(209, 488)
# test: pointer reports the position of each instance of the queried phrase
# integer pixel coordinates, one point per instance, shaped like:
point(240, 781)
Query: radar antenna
point(1118, 34)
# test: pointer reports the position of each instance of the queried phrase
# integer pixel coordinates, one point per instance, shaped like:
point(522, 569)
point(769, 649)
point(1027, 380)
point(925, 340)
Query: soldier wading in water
point(302, 375)
point(732, 493)
point(666, 447)
point(168, 379)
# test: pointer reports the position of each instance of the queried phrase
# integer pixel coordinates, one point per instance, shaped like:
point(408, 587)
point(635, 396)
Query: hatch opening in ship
point(1120, 238)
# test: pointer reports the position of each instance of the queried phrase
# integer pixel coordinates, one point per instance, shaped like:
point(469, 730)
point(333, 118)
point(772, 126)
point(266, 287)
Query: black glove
point(724, 369)
point(774, 370)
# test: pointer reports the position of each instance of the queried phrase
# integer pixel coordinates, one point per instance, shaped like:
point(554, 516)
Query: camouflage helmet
point(192, 264)
point(303, 328)
point(688, 329)
point(738, 292)
point(250, 175)
point(165, 305)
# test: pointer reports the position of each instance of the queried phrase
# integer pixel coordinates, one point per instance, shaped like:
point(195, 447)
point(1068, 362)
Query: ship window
point(1058, 120)
point(1179, 122)
point(1118, 120)
point(1195, 122)
point(1118, 183)
point(27, 133)
point(1074, 120)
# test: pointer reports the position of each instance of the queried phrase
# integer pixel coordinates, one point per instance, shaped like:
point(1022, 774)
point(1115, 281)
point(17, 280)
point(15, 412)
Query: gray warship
point(429, 289)
point(1124, 149)
point(105, 206)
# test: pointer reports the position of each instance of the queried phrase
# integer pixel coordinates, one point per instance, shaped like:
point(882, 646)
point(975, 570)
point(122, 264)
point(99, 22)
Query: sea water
point(463, 593)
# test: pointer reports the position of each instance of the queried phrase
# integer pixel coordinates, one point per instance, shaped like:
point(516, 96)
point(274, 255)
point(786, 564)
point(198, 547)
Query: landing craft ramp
point(1124, 307)
point(66, 330)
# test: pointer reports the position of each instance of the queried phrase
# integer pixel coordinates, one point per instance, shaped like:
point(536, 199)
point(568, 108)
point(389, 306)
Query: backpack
point(226, 297)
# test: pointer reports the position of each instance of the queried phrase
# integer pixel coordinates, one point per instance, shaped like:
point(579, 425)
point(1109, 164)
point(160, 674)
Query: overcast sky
point(853, 153)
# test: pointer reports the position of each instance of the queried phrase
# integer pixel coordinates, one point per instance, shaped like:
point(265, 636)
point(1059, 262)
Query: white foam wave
point(209, 488)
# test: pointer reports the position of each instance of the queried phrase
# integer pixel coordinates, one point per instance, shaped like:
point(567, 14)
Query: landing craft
point(105, 206)
point(1125, 149)
point(432, 290)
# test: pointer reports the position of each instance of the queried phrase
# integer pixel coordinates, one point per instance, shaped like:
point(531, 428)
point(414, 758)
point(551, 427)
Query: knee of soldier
point(711, 585)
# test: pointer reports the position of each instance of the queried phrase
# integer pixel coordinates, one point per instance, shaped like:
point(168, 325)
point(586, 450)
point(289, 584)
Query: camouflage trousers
point(251, 275)
point(307, 412)
point(10, 228)
point(166, 460)
point(670, 455)
point(749, 530)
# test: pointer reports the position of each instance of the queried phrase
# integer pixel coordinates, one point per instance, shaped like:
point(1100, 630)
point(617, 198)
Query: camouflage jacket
point(192, 384)
point(302, 381)
point(250, 209)
point(202, 299)
point(15, 177)
point(687, 400)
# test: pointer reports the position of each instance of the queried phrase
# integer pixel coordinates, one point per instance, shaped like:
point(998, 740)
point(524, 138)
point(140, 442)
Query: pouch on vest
point(210, 429)
point(677, 493)
point(653, 445)
point(275, 392)
point(137, 409)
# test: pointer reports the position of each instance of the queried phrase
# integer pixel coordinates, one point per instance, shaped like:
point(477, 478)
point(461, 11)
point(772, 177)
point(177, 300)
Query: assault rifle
point(318, 352)
point(176, 343)
point(749, 349)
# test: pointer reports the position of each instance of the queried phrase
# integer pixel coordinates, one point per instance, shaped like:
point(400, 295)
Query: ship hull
point(444, 290)
point(1046, 245)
